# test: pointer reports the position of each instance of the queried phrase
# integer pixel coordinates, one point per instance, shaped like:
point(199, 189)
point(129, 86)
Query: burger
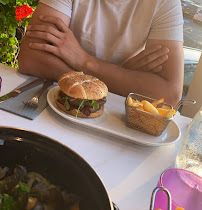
point(81, 95)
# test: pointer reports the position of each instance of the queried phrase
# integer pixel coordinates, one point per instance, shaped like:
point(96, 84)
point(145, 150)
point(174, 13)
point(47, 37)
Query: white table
point(129, 172)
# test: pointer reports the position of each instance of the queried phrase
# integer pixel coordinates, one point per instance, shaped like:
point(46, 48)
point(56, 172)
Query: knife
point(18, 91)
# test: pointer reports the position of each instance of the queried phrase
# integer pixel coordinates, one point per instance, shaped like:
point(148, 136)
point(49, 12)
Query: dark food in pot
point(22, 190)
point(57, 163)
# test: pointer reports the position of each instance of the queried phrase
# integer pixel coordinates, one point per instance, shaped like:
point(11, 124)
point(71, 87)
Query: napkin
point(16, 105)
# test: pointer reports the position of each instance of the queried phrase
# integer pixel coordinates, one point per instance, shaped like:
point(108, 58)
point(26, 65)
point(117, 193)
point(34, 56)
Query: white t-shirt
point(116, 30)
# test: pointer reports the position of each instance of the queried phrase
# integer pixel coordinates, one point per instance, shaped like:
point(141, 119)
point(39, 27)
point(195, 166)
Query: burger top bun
point(81, 86)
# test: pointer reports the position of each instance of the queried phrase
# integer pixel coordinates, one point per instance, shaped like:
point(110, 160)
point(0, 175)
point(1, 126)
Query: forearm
point(52, 69)
point(40, 63)
point(167, 84)
point(123, 81)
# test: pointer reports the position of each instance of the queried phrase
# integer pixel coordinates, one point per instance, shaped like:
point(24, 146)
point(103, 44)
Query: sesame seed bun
point(81, 86)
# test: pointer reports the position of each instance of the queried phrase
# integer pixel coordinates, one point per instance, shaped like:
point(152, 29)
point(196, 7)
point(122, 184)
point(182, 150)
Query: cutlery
point(34, 102)
point(18, 91)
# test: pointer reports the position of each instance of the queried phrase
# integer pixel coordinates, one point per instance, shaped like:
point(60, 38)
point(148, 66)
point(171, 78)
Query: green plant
point(13, 27)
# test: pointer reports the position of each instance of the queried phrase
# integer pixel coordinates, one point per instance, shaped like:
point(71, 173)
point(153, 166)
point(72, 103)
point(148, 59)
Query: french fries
point(153, 108)
point(156, 103)
point(134, 103)
point(148, 107)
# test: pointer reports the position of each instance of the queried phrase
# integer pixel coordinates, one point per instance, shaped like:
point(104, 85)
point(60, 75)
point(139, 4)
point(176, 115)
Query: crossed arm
point(50, 49)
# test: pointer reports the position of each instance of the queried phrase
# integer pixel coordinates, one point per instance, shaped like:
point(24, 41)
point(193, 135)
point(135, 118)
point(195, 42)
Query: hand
point(150, 59)
point(60, 41)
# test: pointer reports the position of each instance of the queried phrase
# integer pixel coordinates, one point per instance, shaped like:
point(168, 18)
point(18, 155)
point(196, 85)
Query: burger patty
point(86, 106)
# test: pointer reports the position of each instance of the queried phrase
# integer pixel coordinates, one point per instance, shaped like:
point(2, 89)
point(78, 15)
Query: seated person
point(131, 45)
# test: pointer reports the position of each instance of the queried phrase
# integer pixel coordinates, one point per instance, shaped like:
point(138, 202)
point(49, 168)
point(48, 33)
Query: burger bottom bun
point(74, 112)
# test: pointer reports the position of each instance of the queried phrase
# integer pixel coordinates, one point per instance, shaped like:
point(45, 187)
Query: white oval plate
point(112, 122)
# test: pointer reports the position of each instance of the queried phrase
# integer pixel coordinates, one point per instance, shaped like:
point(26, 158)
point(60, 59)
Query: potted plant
point(14, 17)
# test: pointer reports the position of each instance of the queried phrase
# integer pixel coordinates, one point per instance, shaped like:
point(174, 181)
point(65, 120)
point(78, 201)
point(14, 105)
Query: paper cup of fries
point(147, 114)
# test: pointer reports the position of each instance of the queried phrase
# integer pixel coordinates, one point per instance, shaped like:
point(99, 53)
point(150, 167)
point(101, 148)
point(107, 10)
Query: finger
point(45, 28)
point(56, 21)
point(153, 57)
point(44, 47)
point(154, 64)
point(145, 57)
point(148, 51)
point(157, 69)
point(44, 36)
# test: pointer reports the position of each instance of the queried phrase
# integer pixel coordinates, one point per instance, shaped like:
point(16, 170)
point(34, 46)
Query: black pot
point(57, 163)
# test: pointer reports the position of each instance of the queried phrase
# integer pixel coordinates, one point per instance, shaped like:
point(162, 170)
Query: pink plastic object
point(185, 189)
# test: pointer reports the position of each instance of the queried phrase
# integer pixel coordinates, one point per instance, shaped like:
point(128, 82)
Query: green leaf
point(94, 104)
point(13, 41)
point(11, 31)
point(67, 105)
point(7, 202)
point(80, 106)
point(23, 188)
point(4, 2)
point(4, 35)
point(64, 97)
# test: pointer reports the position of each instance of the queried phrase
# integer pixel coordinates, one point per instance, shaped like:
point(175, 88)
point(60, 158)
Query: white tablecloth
point(129, 172)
